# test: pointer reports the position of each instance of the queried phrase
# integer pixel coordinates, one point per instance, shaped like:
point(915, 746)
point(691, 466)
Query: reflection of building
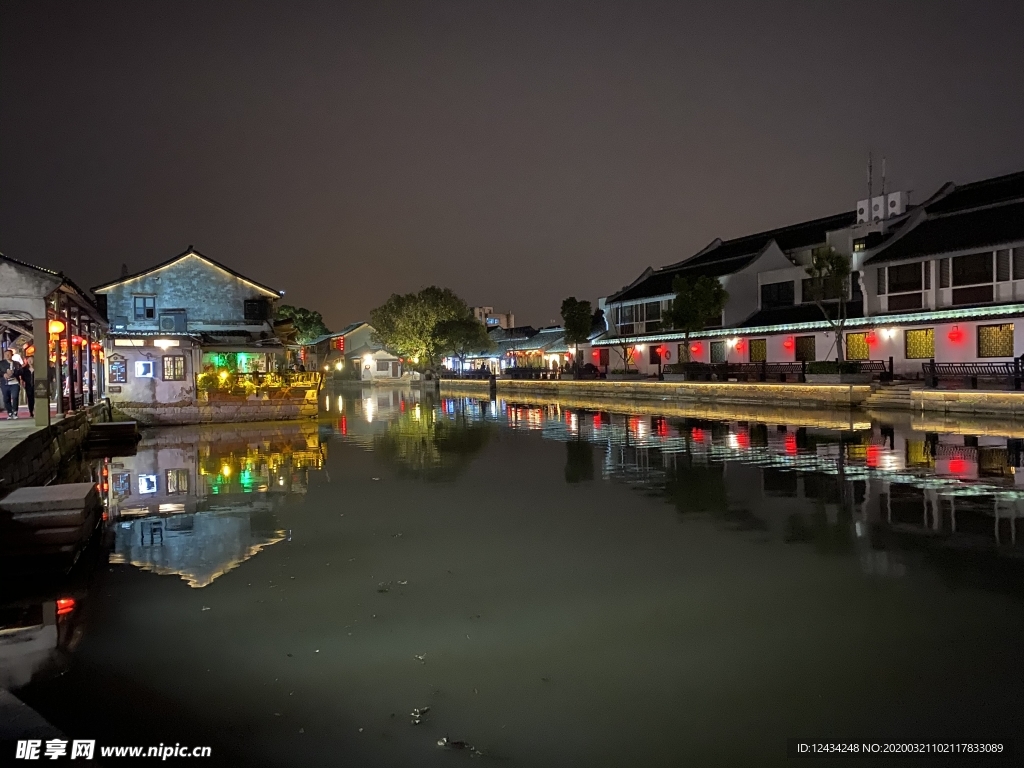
point(198, 547)
point(197, 501)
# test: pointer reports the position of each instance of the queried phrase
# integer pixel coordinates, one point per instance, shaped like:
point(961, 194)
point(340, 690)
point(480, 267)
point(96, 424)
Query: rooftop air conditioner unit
point(862, 211)
point(877, 208)
point(897, 204)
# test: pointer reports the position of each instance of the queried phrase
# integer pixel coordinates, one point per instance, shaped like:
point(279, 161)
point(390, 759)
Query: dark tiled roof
point(978, 228)
point(190, 252)
point(1000, 189)
point(728, 256)
point(799, 313)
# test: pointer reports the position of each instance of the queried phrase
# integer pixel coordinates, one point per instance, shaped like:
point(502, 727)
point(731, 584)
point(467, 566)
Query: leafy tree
point(309, 324)
point(577, 320)
point(699, 301)
point(829, 274)
point(463, 335)
point(407, 324)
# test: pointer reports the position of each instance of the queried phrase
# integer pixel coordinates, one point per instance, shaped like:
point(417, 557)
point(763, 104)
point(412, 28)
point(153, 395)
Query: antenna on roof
point(124, 270)
point(884, 206)
point(190, 246)
point(869, 178)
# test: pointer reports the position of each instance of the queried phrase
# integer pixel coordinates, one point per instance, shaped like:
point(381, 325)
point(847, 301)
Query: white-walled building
point(943, 280)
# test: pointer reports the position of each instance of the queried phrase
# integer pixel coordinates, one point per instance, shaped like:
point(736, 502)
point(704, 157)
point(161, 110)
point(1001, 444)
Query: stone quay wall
point(215, 412)
point(968, 401)
point(828, 396)
point(37, 458)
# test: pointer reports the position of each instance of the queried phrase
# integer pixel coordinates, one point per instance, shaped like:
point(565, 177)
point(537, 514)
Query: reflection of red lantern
point(957, 466)
point(791, 448)
point(955, 334)
point(788, 343)
point(871, 456)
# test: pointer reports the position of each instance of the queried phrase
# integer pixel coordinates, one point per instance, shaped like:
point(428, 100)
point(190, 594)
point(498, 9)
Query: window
point(717, 351)
point(145, 307)
point(973, 269)
point(174, 368)
point(144, 369)
point(257, 310)
point(856, 295)
point(943, 273)
point(904, 301)
point(857, 346)
point(809, 288)
point(904, 278)
point(654, 354)
point(176, 481)
point(383, 366)
point(1003, 265)
point(602, 356)
point(805, 348)
point(927, 266)
point(777, 295)
point(117, 371)
point(121, 484)
point(881, 281)
point(920, 343)
point(1018, 263)
point(652, 311)
point(995, 340)
point(758, 350)
point(975, 294)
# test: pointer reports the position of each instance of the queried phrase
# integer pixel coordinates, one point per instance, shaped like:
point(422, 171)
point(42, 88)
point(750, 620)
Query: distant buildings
point(492, 319)
point(351, 353)
point(943, 280)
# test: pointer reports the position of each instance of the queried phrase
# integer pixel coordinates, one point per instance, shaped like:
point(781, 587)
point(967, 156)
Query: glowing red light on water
point(957, 466)
point(871, 455)
point(105, 517)
point(791, 444)
point(742, 439)
point(697, 434)
point(662, 428)
point(65, 605)
point(401, 406)
point(597, 420)
point(343, 425)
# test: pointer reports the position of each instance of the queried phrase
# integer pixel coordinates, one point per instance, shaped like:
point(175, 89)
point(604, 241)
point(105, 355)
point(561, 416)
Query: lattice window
point(758, 350)
point(943, 273)
point(1018, 263)
point(995, 340)
point(174, 367)
point(857, 346)
point(805, 348)
point(717, 351)
point(1003, 265)
point(920, 343)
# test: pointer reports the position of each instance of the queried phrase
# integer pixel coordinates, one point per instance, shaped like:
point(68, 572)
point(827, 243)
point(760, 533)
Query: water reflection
point(196, 502)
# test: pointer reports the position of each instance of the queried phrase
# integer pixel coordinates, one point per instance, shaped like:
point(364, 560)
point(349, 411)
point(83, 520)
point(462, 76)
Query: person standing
point(27, 375)
point(9, 383)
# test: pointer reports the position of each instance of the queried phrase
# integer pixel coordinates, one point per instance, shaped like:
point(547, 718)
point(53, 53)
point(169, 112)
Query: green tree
point(829, 274)
point(407, 324)
point(462, 335)
point(309, 324)
point(577, 320)
point(699, 302)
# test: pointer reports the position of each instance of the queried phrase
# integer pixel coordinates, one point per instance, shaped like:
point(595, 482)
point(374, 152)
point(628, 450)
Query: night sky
point(515, 152)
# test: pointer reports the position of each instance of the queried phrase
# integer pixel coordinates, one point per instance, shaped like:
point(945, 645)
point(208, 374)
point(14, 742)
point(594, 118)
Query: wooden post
point(41, 375)
point(71, 357)
point(92, 374)
point(932, 381)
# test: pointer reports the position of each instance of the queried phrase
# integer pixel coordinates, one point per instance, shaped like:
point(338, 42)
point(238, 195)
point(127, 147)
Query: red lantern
point(695, 348)
point(339, 343)
point(76, 340)
point(95, 346)
point(788, 343)
point(870, 337)
point(955, 334)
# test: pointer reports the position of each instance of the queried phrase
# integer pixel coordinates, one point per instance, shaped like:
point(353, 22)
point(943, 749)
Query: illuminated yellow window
point(920, 343)
point(857, 346)
point(995, 340)
point(758, 350)
point(918, 454)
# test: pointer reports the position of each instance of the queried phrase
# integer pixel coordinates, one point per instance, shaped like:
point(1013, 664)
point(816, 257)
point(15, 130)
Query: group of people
point(15, 374)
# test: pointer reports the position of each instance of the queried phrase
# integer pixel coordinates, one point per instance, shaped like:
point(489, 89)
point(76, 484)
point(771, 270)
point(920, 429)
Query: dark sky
point(515, 152)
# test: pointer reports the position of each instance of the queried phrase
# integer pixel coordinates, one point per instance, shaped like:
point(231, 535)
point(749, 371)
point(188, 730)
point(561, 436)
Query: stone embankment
point(37, 458)
point(214, 412)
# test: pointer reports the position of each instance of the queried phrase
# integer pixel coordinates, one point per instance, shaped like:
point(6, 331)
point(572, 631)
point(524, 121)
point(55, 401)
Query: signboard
point(118, 371)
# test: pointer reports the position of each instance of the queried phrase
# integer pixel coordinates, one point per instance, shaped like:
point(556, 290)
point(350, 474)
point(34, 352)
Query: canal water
point(548, 584)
